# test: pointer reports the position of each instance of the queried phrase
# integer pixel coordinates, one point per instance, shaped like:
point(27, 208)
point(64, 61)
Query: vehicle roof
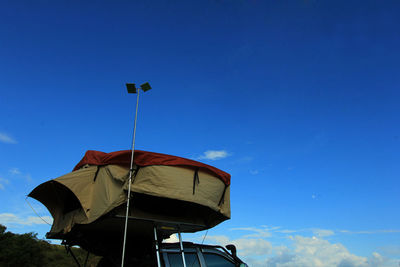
point(191, 245)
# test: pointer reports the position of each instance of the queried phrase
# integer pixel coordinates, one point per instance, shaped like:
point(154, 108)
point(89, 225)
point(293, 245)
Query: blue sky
point(299, 99)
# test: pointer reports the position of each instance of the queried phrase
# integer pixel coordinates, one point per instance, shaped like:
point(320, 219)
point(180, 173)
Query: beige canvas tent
point(173, 193)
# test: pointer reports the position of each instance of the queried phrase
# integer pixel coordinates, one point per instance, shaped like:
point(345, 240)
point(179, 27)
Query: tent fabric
point(174, 192)
point(145, 158)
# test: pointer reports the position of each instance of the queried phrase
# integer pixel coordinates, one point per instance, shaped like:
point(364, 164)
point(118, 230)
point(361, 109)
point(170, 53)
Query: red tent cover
point(144, 158)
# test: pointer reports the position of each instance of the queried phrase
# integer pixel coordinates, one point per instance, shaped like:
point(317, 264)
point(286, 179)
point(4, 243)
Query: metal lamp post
point(132, 90)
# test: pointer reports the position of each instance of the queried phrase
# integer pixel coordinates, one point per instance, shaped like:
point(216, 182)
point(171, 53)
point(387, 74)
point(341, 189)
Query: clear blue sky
point(301, 99)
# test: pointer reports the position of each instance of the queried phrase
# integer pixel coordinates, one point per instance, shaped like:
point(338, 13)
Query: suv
point(197, 255)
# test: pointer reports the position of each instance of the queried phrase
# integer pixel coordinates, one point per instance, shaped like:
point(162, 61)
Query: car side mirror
point(232, 249)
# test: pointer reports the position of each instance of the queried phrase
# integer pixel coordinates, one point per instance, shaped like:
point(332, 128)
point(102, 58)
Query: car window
point(214, 260)
point(175, 260)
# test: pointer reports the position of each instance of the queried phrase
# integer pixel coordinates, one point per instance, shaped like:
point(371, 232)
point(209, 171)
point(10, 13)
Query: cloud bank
point(300, 249)
point(12, 219)
point(302, 252)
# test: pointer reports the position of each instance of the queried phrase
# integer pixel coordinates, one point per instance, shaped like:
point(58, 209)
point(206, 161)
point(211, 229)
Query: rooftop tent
point(88, 204)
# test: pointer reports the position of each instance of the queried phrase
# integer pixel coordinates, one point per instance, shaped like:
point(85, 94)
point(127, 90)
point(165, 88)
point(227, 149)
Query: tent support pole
point(157, 248)
point(181, 244)
point(129, 181)
point(69, 250)
point(86, 260)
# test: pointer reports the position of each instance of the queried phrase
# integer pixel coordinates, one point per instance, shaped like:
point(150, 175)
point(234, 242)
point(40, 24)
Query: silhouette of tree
point(28, 250)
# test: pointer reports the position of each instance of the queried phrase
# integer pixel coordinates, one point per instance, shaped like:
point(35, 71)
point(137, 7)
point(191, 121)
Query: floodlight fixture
point(145, 87)
point(131, 88)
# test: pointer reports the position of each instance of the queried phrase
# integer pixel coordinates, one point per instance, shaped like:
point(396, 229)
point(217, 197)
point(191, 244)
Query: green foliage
point(27, 250)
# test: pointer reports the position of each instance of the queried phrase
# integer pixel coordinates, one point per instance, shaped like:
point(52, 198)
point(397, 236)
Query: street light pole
point(131, 89)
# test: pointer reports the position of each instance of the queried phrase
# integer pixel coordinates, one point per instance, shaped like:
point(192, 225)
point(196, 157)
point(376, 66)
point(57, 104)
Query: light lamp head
point(145, 87)
point(131, 87)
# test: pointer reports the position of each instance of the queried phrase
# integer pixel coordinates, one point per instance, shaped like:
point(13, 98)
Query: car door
point(216, 258)
point(173, 257)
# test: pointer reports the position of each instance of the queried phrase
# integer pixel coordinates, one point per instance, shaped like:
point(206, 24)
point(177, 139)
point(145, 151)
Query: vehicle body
point(196, 255)
point(199, 255)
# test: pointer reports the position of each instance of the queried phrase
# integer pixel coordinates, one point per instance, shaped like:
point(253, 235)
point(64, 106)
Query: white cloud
point(313, 251)
point(12, 219)
point(3, 182)
point(172, 239)
point(384, 231)
point(266, 231)
point(249, 246)
point(214, 154)
point(309, 251)
point(7, 139)
point(14, 171)
point(254, 172)
point(245, 246)
point(392, 250)
point(288, 231)
point(218, 239)
point(306, 251)
point(39, 220)
point(259, 232)
point(323, 232)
